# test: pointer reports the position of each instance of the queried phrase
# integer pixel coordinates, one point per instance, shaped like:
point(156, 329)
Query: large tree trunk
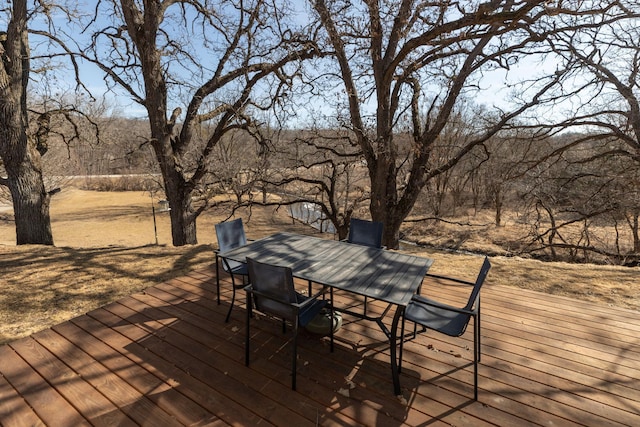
point(384, 205)
point(183, 224)
point(183, 220)
point(21, 159)
point(30, 200)
point(177, 190)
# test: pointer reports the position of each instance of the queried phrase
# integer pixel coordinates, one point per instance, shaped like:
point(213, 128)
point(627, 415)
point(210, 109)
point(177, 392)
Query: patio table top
point(389, 276)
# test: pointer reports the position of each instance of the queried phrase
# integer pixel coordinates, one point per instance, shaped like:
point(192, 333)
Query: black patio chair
point(449, 320)
point(230, 235)
point(271, 291)
point(365, 233)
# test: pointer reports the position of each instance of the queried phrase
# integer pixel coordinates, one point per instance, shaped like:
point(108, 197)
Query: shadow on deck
point(166, 357)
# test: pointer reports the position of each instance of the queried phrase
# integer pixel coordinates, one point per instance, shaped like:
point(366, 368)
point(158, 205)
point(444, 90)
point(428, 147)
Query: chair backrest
point(274, 284)
point(367, 233)
point(230, 235)
point(475, 293)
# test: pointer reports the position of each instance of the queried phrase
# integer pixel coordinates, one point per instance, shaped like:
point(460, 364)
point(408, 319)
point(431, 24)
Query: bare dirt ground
point(105, 248)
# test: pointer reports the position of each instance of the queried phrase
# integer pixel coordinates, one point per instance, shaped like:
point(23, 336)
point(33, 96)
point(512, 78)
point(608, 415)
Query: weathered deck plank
point(166, 357)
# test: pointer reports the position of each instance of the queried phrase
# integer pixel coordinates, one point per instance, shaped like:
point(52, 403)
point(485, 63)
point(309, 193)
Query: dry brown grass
point(105, 249)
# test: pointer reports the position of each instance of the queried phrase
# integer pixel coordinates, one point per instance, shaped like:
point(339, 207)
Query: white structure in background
point(310, 214)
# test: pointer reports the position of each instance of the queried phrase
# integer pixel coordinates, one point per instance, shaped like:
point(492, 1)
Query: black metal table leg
point(394, 358)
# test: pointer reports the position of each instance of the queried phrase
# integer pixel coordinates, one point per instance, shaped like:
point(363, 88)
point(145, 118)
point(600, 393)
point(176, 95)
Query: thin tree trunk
point(636, 235)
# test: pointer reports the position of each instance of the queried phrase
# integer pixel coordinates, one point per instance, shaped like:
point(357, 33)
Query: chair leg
point(331, 317)
point(401, 344)
point(295, 354)
point(217, 279)
point(476, 322)
point(475, 380)
point(233, 298)
point(476, 354)
point(331, 313)
point(415, 325)
point(248, 334)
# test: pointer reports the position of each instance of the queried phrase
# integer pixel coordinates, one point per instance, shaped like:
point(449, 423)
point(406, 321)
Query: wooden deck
point(165, 357)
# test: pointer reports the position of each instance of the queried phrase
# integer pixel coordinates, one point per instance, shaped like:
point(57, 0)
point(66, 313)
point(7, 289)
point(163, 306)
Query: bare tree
point(415, 59)
point(319, 173)
point(602, 82)
point(505, 171)
point(19, 153)
point(32, 114)
point(221, 61)
point(239, 164)
point(25, 128)
point(598, 100)
point(577, 202)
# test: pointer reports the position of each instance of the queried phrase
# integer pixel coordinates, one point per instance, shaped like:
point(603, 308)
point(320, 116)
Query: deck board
point(45, 400)
point(166, 357)
point(14, 410)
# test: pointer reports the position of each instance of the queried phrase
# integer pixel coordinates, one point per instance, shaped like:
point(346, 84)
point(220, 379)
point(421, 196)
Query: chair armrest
point(217, 250)
point(224, 260)
point(451, 279)
point(297, 305)
point(249, 289)
point(419, 299)
point(306, 302)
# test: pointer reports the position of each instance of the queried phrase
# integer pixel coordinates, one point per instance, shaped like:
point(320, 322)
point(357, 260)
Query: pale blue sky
point(494, 85)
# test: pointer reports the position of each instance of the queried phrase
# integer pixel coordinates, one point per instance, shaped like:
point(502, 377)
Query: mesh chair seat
point(237, 268)
point(440, 317)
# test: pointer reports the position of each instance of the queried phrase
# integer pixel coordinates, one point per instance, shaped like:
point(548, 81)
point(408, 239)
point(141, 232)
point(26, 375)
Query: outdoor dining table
point(385, 275)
